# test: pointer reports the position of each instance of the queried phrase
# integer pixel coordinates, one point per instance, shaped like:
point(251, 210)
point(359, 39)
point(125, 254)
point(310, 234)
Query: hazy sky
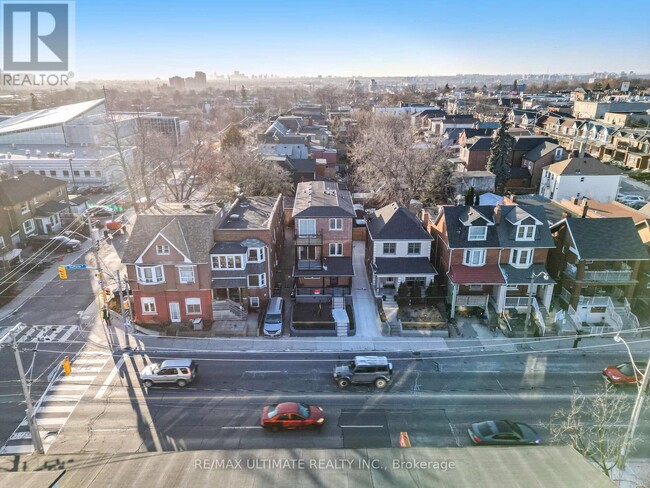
point(138, 39)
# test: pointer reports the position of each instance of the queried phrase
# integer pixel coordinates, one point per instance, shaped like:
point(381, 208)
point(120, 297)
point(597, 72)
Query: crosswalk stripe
point(62, 398)
point(66, 387)
point(42, 421)
point(57, 409)
point(75, 378)
point(101, 360)
point(17, 449)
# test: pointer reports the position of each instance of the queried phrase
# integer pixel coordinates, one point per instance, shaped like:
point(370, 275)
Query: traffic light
point(66, 365)
point(63, 273)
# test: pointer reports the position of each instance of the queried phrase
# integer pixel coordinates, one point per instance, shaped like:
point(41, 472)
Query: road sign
point(63, 274)
point(75, 266)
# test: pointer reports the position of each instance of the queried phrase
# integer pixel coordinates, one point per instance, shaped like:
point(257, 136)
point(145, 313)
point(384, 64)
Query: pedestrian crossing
point(57, 403)
point(46, 333)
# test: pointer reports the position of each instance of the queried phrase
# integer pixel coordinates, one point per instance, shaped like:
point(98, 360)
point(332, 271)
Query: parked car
point(292, 415)
point(364, 370)
point(114, 224)
point(179, 371)
point(95, 190)
point(99, 211)
point(54, 243)
point(502, 432)
point(629, 199)
point(624, 374)
point(272, 326)
point(83, 190)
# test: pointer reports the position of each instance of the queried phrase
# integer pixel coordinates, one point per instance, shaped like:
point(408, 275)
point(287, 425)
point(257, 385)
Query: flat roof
point(251, 212)
point(47, 117)
point(487, 467)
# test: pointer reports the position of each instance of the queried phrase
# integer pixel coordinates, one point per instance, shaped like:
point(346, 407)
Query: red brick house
point(167, 262)
point(323, 215)
point(487, 256)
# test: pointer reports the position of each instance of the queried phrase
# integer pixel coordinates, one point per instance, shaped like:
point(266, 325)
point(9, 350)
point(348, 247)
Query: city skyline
point(342, 40)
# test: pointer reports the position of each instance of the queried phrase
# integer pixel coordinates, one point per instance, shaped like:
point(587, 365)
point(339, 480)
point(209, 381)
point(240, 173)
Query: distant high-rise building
point(200, 79)
point(177, 82)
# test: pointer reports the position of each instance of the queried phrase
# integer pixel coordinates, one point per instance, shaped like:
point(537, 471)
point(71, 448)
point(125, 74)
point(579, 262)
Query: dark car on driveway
point(625, 374)
point(502, 433)
point(55, 243)
point(292, 415)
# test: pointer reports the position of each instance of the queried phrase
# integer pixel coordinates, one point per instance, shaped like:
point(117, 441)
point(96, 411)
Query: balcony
point(304, 264)
point(610, 275)
point(309, 240)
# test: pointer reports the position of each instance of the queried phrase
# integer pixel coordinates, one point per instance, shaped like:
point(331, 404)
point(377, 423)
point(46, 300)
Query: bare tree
point(388, 159)
point(250, 173)
point(591, 425)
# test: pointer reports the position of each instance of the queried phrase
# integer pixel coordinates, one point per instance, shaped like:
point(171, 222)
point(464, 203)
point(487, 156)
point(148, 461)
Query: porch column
point(501, 302)
point(454, 294)
point(548, 295)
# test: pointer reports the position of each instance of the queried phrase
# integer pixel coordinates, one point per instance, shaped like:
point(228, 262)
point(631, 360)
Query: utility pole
point(636, 412)
point(123, 312)
point(31, 419)
point(100, 274)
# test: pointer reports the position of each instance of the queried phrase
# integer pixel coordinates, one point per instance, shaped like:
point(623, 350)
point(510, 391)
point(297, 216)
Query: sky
point(161, 38)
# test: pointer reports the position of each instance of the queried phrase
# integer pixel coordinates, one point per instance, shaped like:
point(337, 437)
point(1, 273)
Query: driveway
point(366, 317)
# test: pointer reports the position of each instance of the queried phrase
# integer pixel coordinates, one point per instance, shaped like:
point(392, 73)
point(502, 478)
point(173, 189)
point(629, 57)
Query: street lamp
point(533, 277)
point(638, 404)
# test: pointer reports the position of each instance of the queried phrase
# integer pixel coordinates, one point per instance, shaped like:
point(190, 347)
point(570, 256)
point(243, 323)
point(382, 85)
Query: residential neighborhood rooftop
point(250, 213)
point(23, 187)
point(322, 199)
point(585, 165)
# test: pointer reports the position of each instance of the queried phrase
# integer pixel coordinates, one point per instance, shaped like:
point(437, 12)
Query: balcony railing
point(309, 240)
point(624, 274)
point(315, 264)
point(595, 301)
point(565, 295)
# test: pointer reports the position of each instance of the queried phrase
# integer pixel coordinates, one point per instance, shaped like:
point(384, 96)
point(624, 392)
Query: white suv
point(179, 371)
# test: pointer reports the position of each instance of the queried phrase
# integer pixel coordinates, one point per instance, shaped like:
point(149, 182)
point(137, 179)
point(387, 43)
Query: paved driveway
point(366, 317)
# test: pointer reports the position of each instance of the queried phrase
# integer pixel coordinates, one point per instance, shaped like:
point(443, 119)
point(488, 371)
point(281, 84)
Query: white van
point(273, 319)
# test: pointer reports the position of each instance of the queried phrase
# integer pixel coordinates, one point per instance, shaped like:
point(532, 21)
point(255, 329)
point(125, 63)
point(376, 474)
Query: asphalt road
point(432, 400)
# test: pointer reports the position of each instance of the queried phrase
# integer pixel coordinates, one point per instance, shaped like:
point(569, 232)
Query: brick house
point(598, 277)
point(397, 251)
point(539, 157)
point(30, 204)
point(487, 255)
point(323, 216)
point(167, 260)
point(245, 257)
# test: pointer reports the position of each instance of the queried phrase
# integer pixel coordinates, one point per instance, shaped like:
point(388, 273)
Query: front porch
point(598, 314)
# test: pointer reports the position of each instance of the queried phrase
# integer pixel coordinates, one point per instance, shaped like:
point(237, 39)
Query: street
point(432, 399)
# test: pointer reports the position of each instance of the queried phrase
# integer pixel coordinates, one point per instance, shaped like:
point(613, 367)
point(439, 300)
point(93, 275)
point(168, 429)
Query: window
point(227, 262)
point(389, 248)
point(98, 174)
point(20, 172)
point(477, 233)
point(582, 178)
point(255, 255)
point(193, 306)
point(525, 232)
point(414, 247)
point(41, 172)
point(162, 250)
point(475, 287)
point(256, 281)
point(28, 226)
point(66, 172)
point(336, 224)
point(186, 274)
point(306, 227)
point(86, 173)
point(76, 172)
point(24, 208)
point(150, 274)
point(521, 258)
point(474, 257)
point(336, 249)
point(52, 172)
point(255, 302)
point(148, 305)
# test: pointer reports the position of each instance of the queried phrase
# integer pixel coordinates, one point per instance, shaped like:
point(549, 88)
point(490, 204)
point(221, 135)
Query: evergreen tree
point(477, 199)
point(232, 138)
point(515, 88)
point(469, 196)
point(501, 154)
point(447, 89)
point(243, 93)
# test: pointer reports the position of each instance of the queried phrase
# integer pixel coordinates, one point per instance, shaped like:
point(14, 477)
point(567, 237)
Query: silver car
point(178, 371)
point(364, 370)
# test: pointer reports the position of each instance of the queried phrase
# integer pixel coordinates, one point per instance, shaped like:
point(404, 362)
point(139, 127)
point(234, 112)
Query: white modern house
point(398, 250)
point(580, 177)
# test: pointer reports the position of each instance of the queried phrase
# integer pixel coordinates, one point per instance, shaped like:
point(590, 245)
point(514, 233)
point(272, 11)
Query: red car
point(624, 374)
point(114, 224)
point(292, 415)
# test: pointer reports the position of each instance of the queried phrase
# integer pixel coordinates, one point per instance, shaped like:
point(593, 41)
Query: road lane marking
point(110, 378)
point(244, 427)
point(484, 371)
point(263, 371)
point(362, 426)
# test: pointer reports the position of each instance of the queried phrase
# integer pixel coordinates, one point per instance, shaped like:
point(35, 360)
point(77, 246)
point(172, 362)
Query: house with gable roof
point(398, 250)
point(487, 256)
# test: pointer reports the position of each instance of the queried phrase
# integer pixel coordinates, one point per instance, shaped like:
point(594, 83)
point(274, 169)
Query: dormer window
point(525, 232)
point(477, 233)
point(255, 254)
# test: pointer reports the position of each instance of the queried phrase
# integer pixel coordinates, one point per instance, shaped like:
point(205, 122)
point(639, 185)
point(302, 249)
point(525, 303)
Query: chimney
point(574, 200)
point(581, 151)
point(497, 214)
point(585, 208)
